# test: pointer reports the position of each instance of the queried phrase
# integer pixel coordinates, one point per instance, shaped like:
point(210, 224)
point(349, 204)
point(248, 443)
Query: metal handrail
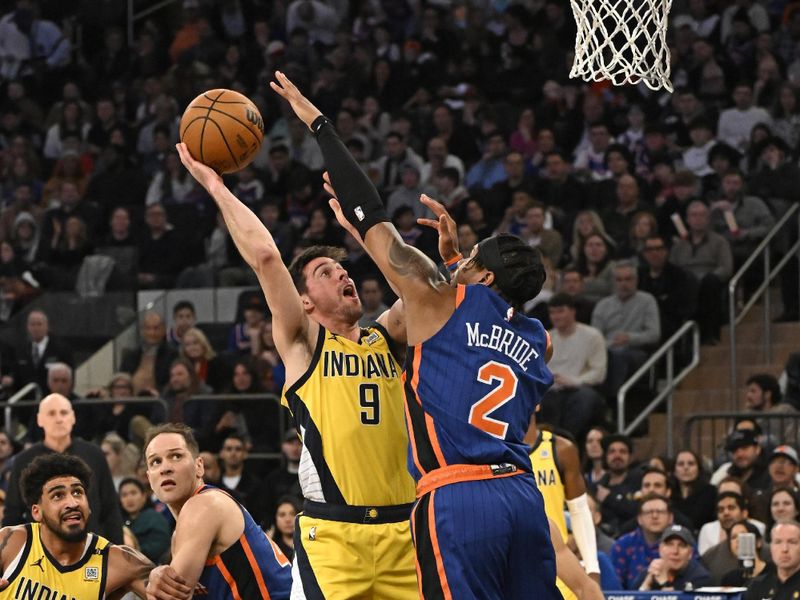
point(764, 289)
point(728, 419)
point(133, 16)
point(16, 400)
point(673, 380)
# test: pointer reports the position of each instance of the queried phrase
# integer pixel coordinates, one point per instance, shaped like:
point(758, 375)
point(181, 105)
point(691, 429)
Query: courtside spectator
point(785, 551)
point(674, 569)
point(731, 508)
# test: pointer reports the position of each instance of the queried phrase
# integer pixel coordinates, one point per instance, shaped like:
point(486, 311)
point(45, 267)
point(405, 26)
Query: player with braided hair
point(475, 371)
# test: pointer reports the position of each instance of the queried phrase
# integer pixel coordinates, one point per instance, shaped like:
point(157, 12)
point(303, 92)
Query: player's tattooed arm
point(408, 262)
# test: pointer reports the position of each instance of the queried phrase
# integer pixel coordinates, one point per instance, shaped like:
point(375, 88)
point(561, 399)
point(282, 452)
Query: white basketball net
point(623, 41)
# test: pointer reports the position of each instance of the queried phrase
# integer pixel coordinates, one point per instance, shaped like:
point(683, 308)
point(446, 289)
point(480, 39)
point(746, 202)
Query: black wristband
point(319, 123)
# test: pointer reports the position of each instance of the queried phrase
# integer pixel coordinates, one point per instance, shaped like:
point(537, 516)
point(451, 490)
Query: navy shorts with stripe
point(482, 540)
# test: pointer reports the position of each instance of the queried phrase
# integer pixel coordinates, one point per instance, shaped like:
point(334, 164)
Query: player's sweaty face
point(171, 469)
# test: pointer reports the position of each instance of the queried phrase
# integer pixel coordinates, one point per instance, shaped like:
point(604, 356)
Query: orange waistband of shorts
point(460, 473)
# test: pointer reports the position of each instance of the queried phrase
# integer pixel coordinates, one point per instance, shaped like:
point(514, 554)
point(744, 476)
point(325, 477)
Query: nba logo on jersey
point(312, 533)
point(91, 574)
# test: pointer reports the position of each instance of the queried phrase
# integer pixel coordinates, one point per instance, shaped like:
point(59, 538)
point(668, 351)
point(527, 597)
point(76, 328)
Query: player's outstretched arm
point(569, 570)
point(258, 248)
point(128, 570)
point(408, 270)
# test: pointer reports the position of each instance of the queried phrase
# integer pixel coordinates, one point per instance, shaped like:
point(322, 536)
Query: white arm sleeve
point(583, 530)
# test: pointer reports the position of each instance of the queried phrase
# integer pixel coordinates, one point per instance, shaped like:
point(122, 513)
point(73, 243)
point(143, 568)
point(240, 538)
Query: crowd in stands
point(642, 203)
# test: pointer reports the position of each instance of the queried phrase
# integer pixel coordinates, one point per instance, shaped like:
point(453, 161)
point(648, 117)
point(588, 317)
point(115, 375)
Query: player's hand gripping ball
point(222, 129)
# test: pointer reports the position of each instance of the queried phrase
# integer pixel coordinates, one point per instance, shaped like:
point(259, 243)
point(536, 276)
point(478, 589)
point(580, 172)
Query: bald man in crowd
point(57, 419)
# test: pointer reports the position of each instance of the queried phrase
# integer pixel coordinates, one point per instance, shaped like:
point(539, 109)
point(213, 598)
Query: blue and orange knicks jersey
point(471, 388)
point(253, 568)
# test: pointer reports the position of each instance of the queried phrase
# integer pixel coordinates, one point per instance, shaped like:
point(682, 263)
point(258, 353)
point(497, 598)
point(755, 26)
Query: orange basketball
point(222, 129)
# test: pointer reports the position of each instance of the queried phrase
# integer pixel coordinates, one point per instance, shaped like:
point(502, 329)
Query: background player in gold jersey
point(55, 556)
point(556, 467)
point(344, 389)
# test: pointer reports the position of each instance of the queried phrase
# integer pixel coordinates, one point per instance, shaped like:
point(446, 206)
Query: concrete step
point(751, 332)
point(718, 377)
point(720, 355)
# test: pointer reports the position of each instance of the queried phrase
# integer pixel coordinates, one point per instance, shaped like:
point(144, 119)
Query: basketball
point(222, 129)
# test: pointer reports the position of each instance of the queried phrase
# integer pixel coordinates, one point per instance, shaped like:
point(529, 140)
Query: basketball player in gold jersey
point(344, 390)
point(556, 467)
point(55, 557)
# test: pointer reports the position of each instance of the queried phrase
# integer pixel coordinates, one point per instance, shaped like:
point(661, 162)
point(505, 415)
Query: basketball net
point(623, 41)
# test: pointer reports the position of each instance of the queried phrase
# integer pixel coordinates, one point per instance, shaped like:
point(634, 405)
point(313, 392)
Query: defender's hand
point(301, 105)
point(165, 584)
point(444, 225)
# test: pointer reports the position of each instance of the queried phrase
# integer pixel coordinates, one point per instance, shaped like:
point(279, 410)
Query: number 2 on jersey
point(490, 373)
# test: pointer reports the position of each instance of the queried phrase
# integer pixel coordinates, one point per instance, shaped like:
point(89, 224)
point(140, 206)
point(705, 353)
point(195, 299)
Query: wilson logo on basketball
point(255, 119)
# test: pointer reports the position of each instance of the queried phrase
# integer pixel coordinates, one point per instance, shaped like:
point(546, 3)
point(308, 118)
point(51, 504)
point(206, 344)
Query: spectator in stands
point(674, 288)
point(616, 490)
point(150, 528)
point(183, 384)
point(736, 122)
point(71, 123)
point(783, 467)
point(501, 194)
point(595, 266)
point(743, 220)
point(785, 551)
point(209, 368)
point(739, 576)
point(371, 295)
point(439, 158)
point(590, 162)
point(408, 192)
point(388, 168)
point(695, 158)
point(572, 285)
point(64, 253)
point(8, 448)
point(281, 232)
point(149, 364)
point(674, 569)
point(707, 255)
point(172, 184)
point(731, 508)
point(237, 475)
point(633, 552)
point(763, 394)
point(117, 457)
point(160, 250)
point(40, 350)
point(694, 497)
point(490, 169)
point(747, 460)
point(578, 363)
point(776, 172)
point(618, 218)
point(655, 480)
point(643, 225)
point(121, 233)
point(285, 514)
point(270, 369)
point(284, 480)
point(184, 317)
point(559, 189)
point(237, 416)
point(243, 332)
point(534, 234)
point(116, 417)
point(630, 324)
point(211, 470)
point(784, 505)
point(57, 419)
point(594, 465)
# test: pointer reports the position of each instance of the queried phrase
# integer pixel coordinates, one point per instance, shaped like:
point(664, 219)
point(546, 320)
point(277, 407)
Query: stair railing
point(770, 272)
point(671, 382)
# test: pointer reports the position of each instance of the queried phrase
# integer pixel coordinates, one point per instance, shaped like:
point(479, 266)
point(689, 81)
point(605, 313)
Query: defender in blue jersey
point(475, 371)
point(218, 550)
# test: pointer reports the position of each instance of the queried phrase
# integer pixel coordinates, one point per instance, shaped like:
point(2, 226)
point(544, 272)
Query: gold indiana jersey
point(547, 471)
point(349, 409)
point(35, 574)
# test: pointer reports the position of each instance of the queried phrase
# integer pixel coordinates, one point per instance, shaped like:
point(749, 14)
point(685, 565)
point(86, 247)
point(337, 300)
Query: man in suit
point(149, 363)
point(40, 350)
